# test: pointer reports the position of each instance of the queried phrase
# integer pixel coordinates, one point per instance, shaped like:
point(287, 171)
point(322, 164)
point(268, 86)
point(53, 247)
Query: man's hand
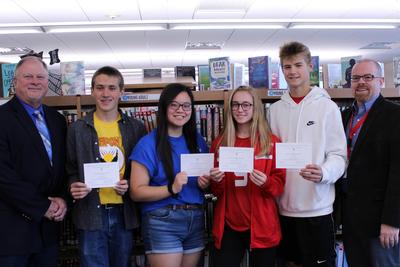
point(51, 210)
point(122, 187)
point(389, 236)
point(79, 190)
point(59, 213)
point(312, 172)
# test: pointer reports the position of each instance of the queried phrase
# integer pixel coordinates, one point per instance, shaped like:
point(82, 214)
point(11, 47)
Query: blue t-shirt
point(145, 153)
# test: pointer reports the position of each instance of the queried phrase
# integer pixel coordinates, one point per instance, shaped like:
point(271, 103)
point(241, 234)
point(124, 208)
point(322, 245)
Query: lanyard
point(354, 130)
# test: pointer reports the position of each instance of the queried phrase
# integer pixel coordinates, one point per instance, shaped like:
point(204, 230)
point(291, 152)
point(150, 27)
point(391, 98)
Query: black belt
point(185, 207)
point(111, 206)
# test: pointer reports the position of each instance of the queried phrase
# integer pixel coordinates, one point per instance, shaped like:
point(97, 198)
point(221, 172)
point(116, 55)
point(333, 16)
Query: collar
point(29, 108)
point(364, 107)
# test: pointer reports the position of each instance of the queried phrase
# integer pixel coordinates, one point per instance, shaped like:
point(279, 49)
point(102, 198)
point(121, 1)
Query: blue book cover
point(220, 78)
point(260, 72)
point(7, 74)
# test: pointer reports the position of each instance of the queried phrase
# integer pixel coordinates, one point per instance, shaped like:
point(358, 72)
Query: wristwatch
point(171, 191)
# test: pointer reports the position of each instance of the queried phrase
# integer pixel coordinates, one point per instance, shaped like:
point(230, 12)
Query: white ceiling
point(154, 49)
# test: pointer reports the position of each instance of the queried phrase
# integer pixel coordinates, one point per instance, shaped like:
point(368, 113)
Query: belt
point(111, 206)
point(185, 207)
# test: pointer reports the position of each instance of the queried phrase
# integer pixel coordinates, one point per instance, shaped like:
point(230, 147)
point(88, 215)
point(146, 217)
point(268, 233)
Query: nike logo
point(319, 262)
point(309, 123)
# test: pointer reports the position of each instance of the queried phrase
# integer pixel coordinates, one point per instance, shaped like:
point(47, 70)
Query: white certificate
point(197, 164)
point(293, 155)
point(98, 175)
point(236, 159)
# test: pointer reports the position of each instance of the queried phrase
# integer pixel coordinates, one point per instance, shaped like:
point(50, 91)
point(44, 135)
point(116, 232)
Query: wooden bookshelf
point(144, 84)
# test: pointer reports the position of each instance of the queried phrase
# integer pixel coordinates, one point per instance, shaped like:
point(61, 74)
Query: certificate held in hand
point(99, 175)
point(236, 159)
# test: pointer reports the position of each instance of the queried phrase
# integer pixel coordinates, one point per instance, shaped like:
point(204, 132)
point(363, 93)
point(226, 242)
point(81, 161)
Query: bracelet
point(171, 191)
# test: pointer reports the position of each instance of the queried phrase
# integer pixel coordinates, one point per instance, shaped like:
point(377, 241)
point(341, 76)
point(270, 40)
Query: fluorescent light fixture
point(106, 29)
point(203, 45)
point(19, 30)
point(225, 26)
point(342, 26)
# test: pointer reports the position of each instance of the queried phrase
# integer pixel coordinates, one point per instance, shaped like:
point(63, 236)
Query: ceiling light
point(105, 29)
point(19, 30)
point(203, 45)
point(225, 26)
point(14, 50)
point(341, 26)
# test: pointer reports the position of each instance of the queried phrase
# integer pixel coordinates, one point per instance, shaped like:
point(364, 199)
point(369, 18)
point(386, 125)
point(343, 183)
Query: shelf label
point(139, 97)
point(276, 92)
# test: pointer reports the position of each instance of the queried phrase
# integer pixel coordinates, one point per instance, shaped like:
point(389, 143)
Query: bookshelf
point(200, 97)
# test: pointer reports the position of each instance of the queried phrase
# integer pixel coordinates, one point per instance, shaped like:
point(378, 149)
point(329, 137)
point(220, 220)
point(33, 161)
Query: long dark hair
point(163, 145)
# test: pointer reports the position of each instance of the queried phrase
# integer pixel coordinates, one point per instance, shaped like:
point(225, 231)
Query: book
point(204, 77)
point(185, 71)
point(396, 72)
point(237, 74)
point(275, 74)
point(334, 74)
point(7, 75)
point(260, 72)
point(314, 74)
point(220, 73)
point(152, 73)
point(347, 64)
point(72, 78)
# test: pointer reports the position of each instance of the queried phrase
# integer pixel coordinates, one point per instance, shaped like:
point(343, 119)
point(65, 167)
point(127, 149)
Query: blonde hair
point(259, 129)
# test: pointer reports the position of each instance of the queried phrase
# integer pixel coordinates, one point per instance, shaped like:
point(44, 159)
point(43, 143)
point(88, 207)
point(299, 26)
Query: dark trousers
point(47, 257)
point(234, 245)
point(308, 241)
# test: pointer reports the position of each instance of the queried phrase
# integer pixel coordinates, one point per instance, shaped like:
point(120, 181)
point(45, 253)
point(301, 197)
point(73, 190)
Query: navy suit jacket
point(373, 173)
point(27, 179)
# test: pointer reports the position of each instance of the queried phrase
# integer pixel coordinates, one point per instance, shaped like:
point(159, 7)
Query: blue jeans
point(173, 231)
point(110, 246)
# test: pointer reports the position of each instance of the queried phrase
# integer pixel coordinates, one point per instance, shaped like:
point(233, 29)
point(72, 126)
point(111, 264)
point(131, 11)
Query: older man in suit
point(371, 218)
point(32, 156)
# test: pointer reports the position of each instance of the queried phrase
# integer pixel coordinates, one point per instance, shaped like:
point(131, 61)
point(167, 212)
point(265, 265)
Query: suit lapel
point(372, 116)
point(28, 124)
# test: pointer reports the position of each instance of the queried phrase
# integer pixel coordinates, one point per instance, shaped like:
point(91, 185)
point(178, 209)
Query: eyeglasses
point(245, 106)
point(365, 77)
point(176, 105)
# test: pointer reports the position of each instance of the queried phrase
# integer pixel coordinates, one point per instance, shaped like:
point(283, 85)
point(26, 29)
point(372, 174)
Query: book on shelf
point(260, 72)
point(276, 73)
point(314, 74)
point(185, 71)
point(204, 77)
point(238, 75)
point(7, 75)
point(396, 71)
point(220, 74)
point(152, 73)
point(347, 64)
point(72, 78)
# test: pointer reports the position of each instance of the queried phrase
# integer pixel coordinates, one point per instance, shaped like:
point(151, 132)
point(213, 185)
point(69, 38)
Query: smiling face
point(365, 90)
point(242, 107)
point(106, 93)
point(297, 72)
point(178, 113)
point(31, 82)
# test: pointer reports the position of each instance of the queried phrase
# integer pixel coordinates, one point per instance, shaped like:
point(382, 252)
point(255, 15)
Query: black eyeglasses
point(365, 77)
point(245, 106)
point(176, 105)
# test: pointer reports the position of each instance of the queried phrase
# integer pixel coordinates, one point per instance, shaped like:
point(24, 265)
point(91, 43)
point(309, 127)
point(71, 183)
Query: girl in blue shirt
point(172, 202)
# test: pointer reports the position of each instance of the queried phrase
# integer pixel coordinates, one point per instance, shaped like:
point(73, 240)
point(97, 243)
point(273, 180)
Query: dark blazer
point(27, 179)
point(373, 173)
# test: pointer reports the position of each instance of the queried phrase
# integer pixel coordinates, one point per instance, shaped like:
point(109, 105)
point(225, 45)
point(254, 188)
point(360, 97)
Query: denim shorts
point(166, 230)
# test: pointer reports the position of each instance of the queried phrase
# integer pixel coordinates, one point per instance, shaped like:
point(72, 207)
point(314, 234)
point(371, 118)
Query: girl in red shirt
point(246, 216)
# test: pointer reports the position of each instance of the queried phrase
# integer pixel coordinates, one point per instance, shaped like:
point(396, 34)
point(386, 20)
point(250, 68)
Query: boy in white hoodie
point(306, 114)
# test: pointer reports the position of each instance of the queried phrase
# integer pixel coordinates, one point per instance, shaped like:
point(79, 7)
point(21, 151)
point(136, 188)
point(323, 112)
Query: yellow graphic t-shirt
point(111, 150)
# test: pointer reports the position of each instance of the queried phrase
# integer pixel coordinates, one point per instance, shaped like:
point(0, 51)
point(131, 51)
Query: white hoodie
point(316, 120)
